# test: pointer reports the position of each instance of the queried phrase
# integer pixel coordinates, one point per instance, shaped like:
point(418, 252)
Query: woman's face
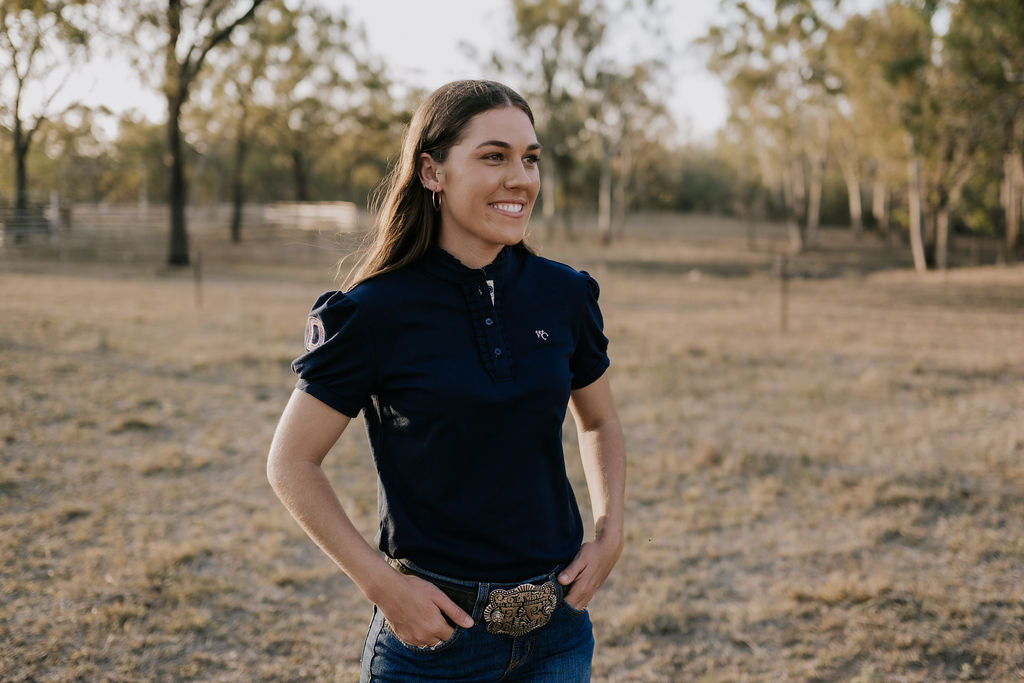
point(488, 184)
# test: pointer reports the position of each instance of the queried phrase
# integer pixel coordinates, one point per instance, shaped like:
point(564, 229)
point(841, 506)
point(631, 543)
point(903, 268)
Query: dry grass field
point(840, 501)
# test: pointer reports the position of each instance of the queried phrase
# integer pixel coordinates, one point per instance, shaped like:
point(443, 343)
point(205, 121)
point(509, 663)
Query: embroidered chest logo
point(542, 335)
point(315, 335)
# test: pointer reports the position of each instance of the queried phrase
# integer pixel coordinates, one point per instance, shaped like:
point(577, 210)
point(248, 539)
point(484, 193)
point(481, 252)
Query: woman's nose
point(517, 176)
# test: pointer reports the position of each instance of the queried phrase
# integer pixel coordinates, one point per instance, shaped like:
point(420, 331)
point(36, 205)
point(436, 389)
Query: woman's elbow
point(279, 467)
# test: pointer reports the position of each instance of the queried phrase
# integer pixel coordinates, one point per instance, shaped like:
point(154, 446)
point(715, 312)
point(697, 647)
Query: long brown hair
point(407, 224)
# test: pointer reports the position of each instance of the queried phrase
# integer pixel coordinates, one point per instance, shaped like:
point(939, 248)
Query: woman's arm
point(603, 451)
point(306, 432)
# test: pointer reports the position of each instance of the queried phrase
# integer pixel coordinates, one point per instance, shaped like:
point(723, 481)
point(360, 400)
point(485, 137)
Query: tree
point(868, 129)
point(189, 32)
point(41, 44)
point(558, 43)
point(773, 64)
point(229, 108)
point(316, 84)
point(626, 112)
point(985, 46)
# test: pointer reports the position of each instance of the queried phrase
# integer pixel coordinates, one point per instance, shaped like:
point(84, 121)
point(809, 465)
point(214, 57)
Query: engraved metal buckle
point(520, 610)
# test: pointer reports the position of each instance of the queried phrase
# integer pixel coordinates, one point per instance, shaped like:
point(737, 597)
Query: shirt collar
point(439, 262)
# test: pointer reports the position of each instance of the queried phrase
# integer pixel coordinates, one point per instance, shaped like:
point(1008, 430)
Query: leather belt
point(513, 611)
point(463, 597)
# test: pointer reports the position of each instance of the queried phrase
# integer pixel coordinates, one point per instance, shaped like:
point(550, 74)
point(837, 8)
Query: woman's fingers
point(588, 570)
point(454, 612)
point(416, 614)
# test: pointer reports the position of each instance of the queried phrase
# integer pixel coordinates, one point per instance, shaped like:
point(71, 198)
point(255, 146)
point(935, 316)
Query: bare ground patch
point(840, 502)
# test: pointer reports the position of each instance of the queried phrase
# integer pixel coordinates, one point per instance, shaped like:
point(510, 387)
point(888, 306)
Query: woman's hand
point(415, 609)
point(589, 569)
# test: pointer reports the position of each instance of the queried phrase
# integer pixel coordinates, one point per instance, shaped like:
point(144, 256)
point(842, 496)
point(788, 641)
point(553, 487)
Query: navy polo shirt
point(464, 376)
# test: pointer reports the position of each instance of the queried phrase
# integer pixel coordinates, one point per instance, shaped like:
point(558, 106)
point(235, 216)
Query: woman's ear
point(430, 172)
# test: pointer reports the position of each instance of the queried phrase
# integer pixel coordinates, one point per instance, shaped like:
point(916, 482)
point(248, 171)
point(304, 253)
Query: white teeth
point(510, 208)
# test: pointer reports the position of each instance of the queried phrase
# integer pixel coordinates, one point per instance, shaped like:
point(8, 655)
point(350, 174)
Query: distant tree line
point(926, 127)
point(878, 120)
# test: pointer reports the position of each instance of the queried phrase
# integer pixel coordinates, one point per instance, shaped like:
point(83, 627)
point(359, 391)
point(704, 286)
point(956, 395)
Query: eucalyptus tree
point(42, 45)
point(985, 46)
point(627, 112)
point(174, 39)
point(229, 101)
point(591, 105)
point(869, 132)
point(773, 64)
point(940, 114)
point(314, 82)
point(558, 52)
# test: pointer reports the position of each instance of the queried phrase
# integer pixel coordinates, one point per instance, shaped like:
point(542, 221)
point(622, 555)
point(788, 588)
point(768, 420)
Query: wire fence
point(288, 231)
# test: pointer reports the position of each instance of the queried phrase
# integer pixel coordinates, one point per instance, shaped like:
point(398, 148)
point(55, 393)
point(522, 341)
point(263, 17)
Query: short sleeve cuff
point(591, 376)
point(328, 397)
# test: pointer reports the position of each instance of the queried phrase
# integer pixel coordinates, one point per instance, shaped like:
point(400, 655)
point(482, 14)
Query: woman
point(463, 349)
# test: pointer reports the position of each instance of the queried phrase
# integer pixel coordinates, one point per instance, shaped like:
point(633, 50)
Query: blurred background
point(901, 119)
point(805, 217)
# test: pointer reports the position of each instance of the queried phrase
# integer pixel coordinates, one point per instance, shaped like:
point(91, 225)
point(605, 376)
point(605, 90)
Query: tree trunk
point(178, 247)
point(1010, 196)
point(914, 199)
point(816, 181)
point(237, 189)
point(299, 172)
point(948, 203)
point(21, 181)
point(796, 235)
point(942, 236)
point(619, 200)
point(852, 179)
point(20, 171)
point(928, 227)
point(565, 171)
point(800, 194)
point(604, 197)
point(548, 191)
point(880, 206)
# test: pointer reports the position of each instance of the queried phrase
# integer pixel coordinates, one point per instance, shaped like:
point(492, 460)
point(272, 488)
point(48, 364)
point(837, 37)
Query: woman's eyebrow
point(505, 145)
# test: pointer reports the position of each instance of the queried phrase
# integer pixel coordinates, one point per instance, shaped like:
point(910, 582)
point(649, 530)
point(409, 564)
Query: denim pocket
point(572, 610)
point(422, 650)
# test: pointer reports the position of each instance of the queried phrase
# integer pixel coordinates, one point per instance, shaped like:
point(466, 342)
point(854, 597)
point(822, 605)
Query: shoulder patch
point(315, 335)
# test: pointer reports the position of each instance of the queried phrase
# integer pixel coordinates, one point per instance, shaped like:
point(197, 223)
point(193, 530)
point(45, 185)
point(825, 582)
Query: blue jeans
point(558, 652)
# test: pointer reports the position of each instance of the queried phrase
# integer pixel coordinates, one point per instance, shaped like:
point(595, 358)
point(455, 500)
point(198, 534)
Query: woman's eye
point(531, 160)
point(494, 156)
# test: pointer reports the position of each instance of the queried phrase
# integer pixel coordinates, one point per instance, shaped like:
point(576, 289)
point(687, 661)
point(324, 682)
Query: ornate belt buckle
point(520, 610)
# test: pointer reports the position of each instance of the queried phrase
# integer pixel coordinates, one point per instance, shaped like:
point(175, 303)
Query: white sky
point(420, 43)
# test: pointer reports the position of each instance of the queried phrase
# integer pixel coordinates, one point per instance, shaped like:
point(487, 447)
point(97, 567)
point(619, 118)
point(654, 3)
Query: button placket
point(495, 338)
point(487, 321)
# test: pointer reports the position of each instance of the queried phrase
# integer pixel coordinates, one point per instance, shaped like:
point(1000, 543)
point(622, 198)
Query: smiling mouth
point(509, 208)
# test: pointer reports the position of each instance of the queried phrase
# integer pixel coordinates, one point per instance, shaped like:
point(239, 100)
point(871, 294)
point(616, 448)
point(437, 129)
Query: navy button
point(488, 322)
point(497, 351)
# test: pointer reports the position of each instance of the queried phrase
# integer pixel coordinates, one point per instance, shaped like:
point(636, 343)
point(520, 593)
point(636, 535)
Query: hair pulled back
point(407, 224)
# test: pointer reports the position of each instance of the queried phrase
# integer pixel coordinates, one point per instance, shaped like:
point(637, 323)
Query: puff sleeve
point(338, 367)
point(590, 357)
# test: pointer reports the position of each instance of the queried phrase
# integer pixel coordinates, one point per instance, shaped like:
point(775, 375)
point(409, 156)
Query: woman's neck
point(470, 254)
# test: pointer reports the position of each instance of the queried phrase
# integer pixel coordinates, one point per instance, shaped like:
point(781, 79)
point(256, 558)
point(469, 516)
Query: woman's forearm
point(304, 489)
point(307, 431)
point(603, 453)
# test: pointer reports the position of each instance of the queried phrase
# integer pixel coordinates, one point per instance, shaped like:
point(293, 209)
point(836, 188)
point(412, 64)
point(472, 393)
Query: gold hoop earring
point(435, 200)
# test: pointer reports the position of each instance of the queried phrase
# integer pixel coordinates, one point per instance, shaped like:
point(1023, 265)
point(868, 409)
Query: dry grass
point(843, 501)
